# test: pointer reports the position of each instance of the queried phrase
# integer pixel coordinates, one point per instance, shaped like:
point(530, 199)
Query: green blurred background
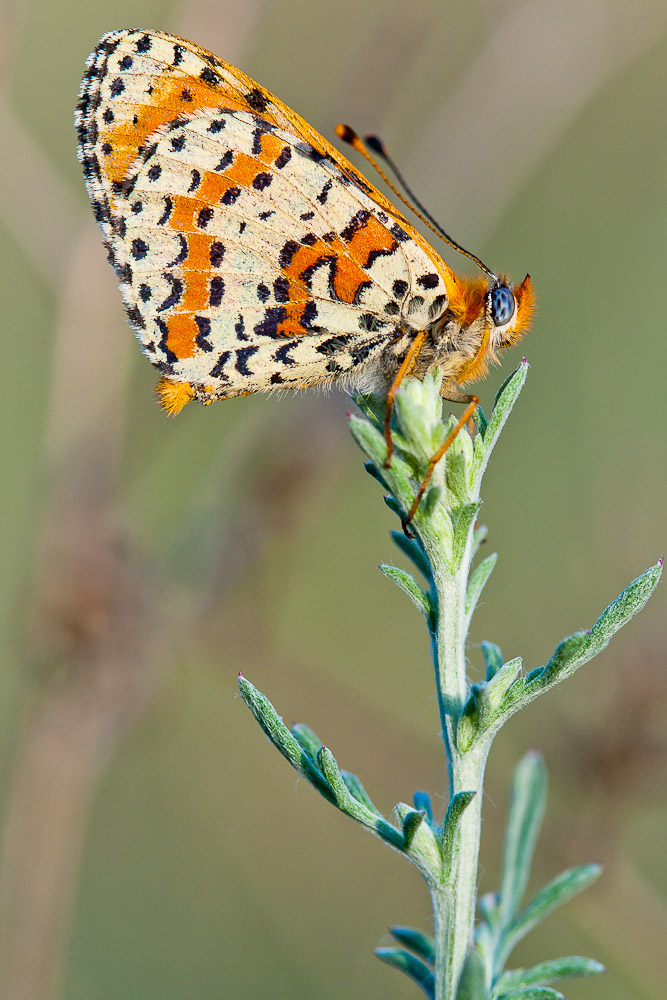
point(153, 844)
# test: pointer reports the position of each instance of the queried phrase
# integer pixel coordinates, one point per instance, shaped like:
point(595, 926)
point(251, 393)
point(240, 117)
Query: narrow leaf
point(411, 823)
point(282, 738)
point(409, 586)
point(411, 547)
point(411, 966)
point(476, 584)
point(308, 739)
point(422, 801)
point(455, 810)
point(472, 984)
point(355, 787)
point(532, 993)
point(572, 967)
point(528, 799)
point(502, 681)
point(578, 649)
point(493, 657)
point(348, 804)
point(505, 400)
point(465, 518)
point(373, 471)
point(559, 891)
point(480, 420)
point(421, 944)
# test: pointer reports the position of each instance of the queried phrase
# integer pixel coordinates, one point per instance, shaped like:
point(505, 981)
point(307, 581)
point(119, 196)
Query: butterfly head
point(508, 311)
point(485, 317)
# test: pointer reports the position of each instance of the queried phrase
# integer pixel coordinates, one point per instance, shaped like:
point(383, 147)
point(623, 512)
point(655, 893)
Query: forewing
point(248, 257)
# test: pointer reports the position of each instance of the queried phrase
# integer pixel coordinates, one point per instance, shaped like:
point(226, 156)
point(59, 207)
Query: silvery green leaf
point(567, 659)
point(505, 400)
point(411, 966)
point(348, 804)
point(355, 787)
point(422, 801)
point(476, 584)
point(572, 967)
point(472, 984)
point(493, 658)
point(282, 738)
point(373, 471)
point(559, 891)
point(502, 681)
point(410, 587)
point(411, 823)
point(532, 993)
point(309, 740)
point(421, 944)
point(412, 548)
point(527, 802)
point(455, 810)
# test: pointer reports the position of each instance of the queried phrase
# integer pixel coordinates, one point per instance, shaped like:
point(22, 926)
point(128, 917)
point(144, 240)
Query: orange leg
point(472, 401)
point(407, 365)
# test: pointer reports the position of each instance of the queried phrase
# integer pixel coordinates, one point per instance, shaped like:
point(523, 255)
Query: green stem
point(455, 897)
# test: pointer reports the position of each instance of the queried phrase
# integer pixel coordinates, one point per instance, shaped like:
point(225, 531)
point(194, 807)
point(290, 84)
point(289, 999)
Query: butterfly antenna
point(348, 135)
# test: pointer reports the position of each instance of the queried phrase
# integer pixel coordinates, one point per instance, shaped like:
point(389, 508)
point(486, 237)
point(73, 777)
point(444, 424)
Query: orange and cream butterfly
point(251, 254)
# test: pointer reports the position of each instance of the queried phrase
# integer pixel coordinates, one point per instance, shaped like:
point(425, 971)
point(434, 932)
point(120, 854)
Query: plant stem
point(454, 899)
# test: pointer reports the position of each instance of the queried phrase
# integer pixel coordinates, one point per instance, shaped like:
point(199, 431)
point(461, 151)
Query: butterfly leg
point(408, 363)
point(455, 397)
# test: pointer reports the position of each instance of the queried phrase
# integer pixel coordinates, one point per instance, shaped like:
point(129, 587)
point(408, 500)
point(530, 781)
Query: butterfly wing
point(250, 252)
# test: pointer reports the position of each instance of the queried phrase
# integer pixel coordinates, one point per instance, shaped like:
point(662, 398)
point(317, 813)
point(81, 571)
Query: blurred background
point(153, 845)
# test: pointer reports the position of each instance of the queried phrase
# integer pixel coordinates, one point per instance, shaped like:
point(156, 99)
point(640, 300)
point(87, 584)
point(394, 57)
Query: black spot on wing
point(256, 100)
point(182, 253)
point(242, 356)
point(162, 343)
point(357, 222)
point(218, 370)
point(168, 209)
point(204, 326)
point(175, 294)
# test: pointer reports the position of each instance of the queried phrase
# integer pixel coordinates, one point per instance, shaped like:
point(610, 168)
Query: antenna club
point(346, 133)
point(375, 143)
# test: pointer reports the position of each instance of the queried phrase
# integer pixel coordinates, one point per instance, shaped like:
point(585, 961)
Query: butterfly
point(251, 254)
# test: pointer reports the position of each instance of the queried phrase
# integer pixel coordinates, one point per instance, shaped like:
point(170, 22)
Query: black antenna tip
point(375, 143)
point(346, 133)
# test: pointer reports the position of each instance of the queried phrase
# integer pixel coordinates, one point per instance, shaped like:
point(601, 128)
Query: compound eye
point(501, 305)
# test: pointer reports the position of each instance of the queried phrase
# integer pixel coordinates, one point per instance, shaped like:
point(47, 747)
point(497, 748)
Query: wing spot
point(428, 280)
point(230, 196)
point(217, 290)
point(186, 95)
point(216, 253)
point(205, 216)
point(225, 161)
point(242, 356)
point(154, 172)
point(117, 87)
point(208, 76)
point(262, 181)
point(204, 325)
point(139, 249)
point(145, 292)
point(256, 100)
